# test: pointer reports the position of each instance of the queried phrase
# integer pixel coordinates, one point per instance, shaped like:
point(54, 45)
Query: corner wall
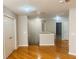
point(23, 30)
point(51, 27)
point(72, 31)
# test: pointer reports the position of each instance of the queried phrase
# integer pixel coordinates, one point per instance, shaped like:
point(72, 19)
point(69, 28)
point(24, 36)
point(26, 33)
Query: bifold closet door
point(8, 35)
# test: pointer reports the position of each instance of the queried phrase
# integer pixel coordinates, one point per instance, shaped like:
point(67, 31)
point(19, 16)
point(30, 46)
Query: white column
point(23, 30)
point(72, 31)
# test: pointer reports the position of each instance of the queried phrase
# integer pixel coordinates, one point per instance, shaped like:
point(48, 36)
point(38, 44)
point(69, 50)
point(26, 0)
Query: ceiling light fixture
point(27, 8)
point(61, 1)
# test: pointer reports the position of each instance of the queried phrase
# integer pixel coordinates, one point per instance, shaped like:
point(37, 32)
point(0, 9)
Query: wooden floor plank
point(42, 52)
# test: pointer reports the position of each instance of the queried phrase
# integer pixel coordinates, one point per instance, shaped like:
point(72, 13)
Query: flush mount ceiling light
point(61, 1)
point(27, 8)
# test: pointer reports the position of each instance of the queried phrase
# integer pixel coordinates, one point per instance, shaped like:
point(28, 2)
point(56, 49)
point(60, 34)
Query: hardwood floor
point(42, 52)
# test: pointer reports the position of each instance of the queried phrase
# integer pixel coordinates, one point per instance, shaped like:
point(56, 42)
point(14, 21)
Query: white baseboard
point(39, 44)
point(46, 44)
point(23, 45)
point(16, 48)
point(72, 53)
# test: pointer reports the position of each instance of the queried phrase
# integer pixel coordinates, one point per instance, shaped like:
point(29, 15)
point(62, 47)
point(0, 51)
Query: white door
point(8, 35)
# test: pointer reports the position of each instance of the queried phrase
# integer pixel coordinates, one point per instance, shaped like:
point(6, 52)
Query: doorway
point(58, 31)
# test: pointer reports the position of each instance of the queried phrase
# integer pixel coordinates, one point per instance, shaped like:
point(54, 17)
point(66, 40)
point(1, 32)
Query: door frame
point(15, 30)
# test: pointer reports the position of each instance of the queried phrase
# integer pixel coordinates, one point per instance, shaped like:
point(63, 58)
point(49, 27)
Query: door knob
point(10, 37)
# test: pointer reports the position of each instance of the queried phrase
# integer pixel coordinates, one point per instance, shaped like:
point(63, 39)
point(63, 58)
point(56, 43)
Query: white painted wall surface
point(6, 11)
point(65, 28)
point(72, 31)
point(51, 27)
point(23, 30)
point(35, 28)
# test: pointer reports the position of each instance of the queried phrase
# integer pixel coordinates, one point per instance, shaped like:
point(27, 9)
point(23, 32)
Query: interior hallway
point(40, 22)
point(60, 51)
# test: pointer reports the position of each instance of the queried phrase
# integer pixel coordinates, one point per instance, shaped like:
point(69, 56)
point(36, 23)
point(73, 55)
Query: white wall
point(9, 26)
point(65, 28)
point(23, 30)
point(7, 11)
point(35, 28)
point(72, 31)
point(51, 27)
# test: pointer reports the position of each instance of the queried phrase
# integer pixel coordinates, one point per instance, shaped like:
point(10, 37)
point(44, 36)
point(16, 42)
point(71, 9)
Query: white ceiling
point(44, 6)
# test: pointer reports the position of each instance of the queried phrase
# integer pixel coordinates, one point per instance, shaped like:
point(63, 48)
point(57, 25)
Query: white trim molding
point(46, 44)
point(23, 45)
point(72, 53)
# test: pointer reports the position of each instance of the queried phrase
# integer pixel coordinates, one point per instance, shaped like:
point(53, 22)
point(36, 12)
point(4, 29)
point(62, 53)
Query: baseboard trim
point(72, 53)
point(46, 44)
point(23, 45)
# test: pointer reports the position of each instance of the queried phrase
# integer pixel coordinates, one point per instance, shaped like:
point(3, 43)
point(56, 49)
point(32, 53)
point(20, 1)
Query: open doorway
point(59, 31)
point(62, 41)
